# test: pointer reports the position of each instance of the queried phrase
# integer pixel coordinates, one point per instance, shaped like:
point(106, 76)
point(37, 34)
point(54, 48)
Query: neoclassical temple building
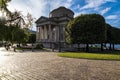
point(50, 30)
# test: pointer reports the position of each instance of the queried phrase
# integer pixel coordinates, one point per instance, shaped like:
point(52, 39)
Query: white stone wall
point(50, 31)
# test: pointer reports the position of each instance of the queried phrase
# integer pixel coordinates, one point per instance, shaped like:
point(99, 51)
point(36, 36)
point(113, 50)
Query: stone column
point(41, 29)
point(37, 34)
point(64, 33)
point(45, 31)
point(56, 35)
point(50, 33)
point(43, 34)
point(57, 32)
point(40, 32)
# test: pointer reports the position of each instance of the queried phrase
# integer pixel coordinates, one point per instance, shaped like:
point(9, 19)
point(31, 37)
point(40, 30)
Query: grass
point(95, 56)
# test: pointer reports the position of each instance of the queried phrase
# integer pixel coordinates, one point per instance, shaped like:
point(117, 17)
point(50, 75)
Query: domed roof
point(61, 11)
point(62, 8)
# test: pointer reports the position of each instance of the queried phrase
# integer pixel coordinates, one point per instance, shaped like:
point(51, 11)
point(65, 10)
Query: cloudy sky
point(110, 9)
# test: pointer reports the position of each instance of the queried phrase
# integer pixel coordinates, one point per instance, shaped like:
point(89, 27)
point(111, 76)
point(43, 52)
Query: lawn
point(85, 55)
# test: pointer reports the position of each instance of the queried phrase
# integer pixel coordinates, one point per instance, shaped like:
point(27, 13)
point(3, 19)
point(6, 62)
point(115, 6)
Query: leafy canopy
point(87, 28)
point(113, 34)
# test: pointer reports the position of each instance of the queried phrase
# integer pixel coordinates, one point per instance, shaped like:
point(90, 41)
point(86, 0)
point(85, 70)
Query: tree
point(3, 7)
point(22, 37)
point(15, 28)
point(86, 29)
point(29, 20)
point(3, 29)
point(113, 36)
point(2, 25)
point(13, 34)
point(32, 38)
point(110, 35)
point(15, 17)
point(19, 35)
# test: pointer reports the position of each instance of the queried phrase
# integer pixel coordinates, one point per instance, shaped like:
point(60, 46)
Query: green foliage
point(3, 3)
point(39, 46)
point(12, 33)
point(20, 35)
point(32, 38)
point(3, 28)
point(110, 34)
point(0, 2)
point(113, 34)
point(3, 6)
point(87, 28)
point(15, 17)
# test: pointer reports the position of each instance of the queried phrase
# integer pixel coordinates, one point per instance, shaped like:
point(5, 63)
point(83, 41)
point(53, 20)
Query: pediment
point(42, 19)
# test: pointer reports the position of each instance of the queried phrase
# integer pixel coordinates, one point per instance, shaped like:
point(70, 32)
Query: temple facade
point(50, 30)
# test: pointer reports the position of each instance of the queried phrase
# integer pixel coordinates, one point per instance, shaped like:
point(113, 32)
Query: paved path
point(48, 66)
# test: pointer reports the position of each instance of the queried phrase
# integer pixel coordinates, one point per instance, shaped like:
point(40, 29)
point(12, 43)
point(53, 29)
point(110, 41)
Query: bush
point(39, 46)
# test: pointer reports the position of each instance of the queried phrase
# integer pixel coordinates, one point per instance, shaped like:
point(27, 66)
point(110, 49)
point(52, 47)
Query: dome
point(62, 11)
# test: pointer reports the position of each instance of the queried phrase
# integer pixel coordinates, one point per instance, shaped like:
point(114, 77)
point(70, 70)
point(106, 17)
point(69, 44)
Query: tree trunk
point(14, 48)
point(105, 45)
point(32, 47)
point(113, 46)
point(78, 47)
point(101, 46)
point(2, 43)
point(110, 46)
point(87, 47)
point(19, 45)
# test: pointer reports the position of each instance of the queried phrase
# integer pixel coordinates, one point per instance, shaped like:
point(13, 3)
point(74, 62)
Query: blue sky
point(110, 9)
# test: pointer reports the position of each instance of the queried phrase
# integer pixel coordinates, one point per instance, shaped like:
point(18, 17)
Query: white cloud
point(37, 7)
point(79, 13)
point(94, 6)
point(68, 3)
point(56, 3)
point(111, 0)
point(112, 17)
point(95, 3)
point(113, 22)
point(104, 11)
point(77, 7)
point(33, 7)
